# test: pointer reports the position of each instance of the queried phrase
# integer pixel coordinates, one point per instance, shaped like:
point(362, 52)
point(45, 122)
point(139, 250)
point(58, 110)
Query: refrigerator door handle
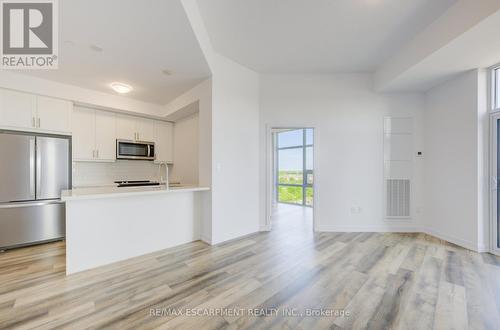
point(38, 171)
point(32, 167)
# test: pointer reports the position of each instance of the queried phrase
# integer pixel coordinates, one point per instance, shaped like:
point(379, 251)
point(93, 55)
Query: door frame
point(270, 170)
point(494, 118)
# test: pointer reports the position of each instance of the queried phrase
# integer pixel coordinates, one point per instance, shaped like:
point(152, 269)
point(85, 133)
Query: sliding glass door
point(294, 166)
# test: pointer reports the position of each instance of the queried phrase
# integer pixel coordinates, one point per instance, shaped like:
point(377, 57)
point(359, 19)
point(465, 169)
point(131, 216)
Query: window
point(294, 166)
point(496, 84)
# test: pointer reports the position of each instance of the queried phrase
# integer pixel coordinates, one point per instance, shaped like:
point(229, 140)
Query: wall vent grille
point(398, 198)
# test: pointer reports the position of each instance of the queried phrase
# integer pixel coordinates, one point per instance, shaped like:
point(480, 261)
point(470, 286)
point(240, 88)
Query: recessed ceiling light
point(166, 72)
point(120, 87)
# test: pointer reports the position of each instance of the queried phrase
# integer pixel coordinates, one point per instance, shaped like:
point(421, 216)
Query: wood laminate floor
point(324, 280)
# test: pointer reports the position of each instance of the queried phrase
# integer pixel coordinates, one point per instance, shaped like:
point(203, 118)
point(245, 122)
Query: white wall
point(348, 117)
point(235, 139)
point(229, 135)
point(235, 150)
point(186, 137)
point(202, 95)
point(456, 161)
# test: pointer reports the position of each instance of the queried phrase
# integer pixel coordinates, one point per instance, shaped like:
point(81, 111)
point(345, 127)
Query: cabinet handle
point(38, 122)
point(33, 121)
point(93, 153)
point(97, 152)
point(138, 137)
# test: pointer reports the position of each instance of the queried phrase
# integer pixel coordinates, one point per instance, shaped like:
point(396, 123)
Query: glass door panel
point(294, 166)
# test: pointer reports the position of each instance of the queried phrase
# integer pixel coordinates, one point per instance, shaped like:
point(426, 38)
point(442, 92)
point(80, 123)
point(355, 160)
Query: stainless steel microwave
point(137, 150)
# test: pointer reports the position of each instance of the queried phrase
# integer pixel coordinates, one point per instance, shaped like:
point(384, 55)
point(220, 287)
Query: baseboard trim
point(265, 228)
point(452, 239)
point(483, 249)
point(367, 229)
point(242, 236)
point(206, 240)
point(403, 229)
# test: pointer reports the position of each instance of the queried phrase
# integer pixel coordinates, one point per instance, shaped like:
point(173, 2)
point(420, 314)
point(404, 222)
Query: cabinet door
point(84, 134)
point(125, 127)
point(105, 135)
point(145, 129)
point(17, 110)
point(54, 114)
point(164, 138)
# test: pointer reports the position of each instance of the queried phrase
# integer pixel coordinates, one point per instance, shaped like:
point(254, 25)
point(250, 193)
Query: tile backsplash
point(90, 173)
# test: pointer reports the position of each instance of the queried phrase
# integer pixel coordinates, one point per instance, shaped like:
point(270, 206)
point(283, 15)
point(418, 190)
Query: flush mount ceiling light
point(120, 87)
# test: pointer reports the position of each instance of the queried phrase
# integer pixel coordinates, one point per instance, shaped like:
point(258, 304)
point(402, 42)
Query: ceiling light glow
point(121, 87)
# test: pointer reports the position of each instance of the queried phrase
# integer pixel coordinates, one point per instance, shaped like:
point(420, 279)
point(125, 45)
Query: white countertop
point(114, 191)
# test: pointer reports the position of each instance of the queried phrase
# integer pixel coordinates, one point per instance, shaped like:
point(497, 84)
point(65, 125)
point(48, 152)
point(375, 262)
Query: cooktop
point(137, 183)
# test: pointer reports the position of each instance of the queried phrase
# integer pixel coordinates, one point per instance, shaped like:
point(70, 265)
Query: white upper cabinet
point(17, 110)
point(94, 135)
point(126, 127)
point(134, 128)
point(105, 135)
point(83, 134)
point(145, 129)
point(54, 115)
point(164, 141)
point(23, 111)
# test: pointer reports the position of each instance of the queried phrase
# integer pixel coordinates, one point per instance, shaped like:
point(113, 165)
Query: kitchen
point(83, 153)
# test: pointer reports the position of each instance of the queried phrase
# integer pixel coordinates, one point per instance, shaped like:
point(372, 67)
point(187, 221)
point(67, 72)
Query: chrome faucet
point(163, 180)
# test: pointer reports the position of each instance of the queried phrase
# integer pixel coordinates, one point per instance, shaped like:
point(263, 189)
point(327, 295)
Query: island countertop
point(107, 224)
point(114, 192)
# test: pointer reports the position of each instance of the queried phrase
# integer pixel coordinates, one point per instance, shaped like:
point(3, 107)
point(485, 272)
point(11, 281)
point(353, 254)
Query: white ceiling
point(314, 36)
point(139, 39)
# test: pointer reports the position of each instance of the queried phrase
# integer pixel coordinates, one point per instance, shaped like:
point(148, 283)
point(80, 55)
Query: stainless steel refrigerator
point(34, 169)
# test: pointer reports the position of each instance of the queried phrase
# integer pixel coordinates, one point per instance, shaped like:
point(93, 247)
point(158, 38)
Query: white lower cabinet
point(164, 138)
point(94, 135)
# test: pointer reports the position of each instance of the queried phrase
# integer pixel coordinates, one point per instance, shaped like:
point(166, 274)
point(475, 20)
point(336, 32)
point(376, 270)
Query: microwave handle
point(149, 150)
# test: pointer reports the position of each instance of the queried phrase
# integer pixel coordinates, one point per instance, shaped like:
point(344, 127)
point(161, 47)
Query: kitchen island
point(110, 224)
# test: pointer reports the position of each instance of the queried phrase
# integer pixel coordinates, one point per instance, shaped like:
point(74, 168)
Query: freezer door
point(52, 167)
point(17, 167)
point(31, 222)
